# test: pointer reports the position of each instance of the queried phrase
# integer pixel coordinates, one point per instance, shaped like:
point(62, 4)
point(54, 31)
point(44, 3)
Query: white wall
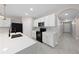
point(16, 19)
point(77, 28)
point(59, 27)
point(74, 28)
point(27, 26)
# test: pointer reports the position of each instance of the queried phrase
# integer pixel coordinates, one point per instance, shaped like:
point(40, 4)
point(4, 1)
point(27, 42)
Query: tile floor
point(67, 45)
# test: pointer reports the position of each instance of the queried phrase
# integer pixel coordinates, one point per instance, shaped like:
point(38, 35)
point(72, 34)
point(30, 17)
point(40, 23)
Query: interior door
point(67, 27)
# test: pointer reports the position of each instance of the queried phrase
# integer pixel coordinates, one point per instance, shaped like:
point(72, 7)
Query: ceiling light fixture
point(26, 14)
point(5, 49)
point(1, 17)
point(31, 9)
point(66, 13)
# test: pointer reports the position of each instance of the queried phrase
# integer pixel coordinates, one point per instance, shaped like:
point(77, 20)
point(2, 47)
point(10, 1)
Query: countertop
point(11, 46)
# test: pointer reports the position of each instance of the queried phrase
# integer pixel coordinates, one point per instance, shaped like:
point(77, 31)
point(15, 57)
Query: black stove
point(39, 34)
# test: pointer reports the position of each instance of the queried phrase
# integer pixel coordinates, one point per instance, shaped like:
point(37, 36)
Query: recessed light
point(1, 17)
point(66, 14)
point(31, 9)
point(26, 14)
point(5, 49)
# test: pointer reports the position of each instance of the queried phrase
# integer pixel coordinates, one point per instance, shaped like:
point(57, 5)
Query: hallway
point(67, 45)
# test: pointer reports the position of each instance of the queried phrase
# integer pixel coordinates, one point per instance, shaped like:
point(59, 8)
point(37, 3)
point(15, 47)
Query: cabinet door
point(45, 38)
point(5, 23)
point(50, 20)
point(48, 38)
point(41, 20)
point(46, 21)
point(35, 24)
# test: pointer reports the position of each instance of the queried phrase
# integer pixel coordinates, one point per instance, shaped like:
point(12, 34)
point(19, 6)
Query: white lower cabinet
point(35, 23)
point(50, 38)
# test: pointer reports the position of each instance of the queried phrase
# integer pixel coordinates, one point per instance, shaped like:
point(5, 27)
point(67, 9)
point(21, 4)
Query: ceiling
point(39, 10)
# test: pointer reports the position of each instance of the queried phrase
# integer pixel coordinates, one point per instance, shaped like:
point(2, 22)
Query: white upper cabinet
point(5, 23)
point(35, 23)
point(48, 20)
point(41, 20)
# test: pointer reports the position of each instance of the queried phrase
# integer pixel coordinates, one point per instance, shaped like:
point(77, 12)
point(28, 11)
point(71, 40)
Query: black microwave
point(41, 24)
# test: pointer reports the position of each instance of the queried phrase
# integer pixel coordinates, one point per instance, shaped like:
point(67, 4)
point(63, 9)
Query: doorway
point(67, 27)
